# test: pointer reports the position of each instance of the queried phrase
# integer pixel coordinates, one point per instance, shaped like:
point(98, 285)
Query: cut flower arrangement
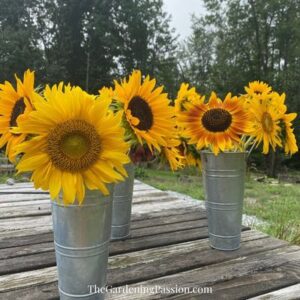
point(226, 131)
point(61, 138)
point(69, 140)
point(77, 146)
point(238, 123)
point(148, 119)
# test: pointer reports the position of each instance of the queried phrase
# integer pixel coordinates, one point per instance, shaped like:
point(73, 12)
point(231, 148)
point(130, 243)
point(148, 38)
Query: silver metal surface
point(223, 180)
point(122, 203)
point(81, 238)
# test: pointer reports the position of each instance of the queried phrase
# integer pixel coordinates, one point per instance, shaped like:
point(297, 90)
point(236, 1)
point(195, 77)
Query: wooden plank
point(128, 268)
point(25, 238)
point(162, 239)
point(35, 234)
point(14, 199)
point(20, 251)
point(288, 293)
point(152, 237)
point(147, 222)
point(21, 199)
point(162, 205)
point(19, 280)
point(248, 286)
point(37, 216)
point(208, 276)
point(25, 201)
point(16, 185)
point(19, 190)
point(138, 185)
point(16, 219)
point(49, 290)
point(135, 233)
point(25, 222)
point(138, 216)
point(27, 263)
point(33, 210)
point(167, 228)
point(43, 207)
point(46, 291)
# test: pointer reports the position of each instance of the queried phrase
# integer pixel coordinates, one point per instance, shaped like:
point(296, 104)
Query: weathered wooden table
point(168, 248)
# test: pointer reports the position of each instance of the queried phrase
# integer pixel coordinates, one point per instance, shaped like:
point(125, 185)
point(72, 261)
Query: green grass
point(277, 204)
point(17, 178)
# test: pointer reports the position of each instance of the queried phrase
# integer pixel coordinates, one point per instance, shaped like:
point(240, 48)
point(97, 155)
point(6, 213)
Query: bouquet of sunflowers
point(68, 139)
point(71, 140)
point(148, 119)
point(238, 123)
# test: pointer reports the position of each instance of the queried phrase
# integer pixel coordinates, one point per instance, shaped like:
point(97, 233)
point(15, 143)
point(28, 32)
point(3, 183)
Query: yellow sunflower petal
point(79, 140)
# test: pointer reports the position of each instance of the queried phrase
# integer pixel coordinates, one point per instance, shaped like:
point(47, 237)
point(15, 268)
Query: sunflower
point(191, 155)
point(191, 161)
point(172, 154)
point(265, 121)
point(257, 88)
point(147, 110)
point(15, 105)
point(215, 124)
point(289, 139)
point(106, 92)
point(77, 143)
point(185, 96)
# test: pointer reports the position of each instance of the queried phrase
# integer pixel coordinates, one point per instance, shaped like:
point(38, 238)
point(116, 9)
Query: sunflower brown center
point(267, 122)
point(258, 92)
point(216, 120)
point(140, 109)
point(17, 110)
point(73, 145)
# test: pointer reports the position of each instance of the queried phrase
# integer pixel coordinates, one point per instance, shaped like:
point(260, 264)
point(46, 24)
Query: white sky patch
point(181, 12)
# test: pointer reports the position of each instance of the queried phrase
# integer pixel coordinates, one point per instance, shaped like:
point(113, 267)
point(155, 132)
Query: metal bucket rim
point(76, 296)
point(81, 248)
point(102, 202)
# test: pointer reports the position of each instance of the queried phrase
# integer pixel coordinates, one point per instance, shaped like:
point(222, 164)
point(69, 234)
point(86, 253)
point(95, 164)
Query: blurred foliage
point(88, 43)
point(240, 41)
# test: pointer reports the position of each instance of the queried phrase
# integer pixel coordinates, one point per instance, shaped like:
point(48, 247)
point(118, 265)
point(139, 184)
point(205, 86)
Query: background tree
point(147, 42)
point(18, 44)
point(246, 40)
point(87, 43)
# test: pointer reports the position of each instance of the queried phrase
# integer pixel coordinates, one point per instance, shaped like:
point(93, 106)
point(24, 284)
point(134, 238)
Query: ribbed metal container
point(223, 179)
point(122, 203)
point(81, 238)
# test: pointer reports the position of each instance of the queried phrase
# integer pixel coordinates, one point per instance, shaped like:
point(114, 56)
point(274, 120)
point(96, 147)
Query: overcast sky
point(181, 11)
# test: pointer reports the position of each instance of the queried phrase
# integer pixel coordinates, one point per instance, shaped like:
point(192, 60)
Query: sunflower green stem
point(248, 142)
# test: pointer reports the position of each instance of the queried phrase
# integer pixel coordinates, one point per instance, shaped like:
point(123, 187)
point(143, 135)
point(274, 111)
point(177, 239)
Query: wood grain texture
point(220, 272)
point(252, 278)
point(168, 246)
point(151, 237)
point(288, 293)
point(38, 234)
point(42, 206)
point(129, 267)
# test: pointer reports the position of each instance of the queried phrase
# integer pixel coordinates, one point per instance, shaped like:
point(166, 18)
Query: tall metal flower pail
point(223, 179)
point(122, 203)
point(81, 238)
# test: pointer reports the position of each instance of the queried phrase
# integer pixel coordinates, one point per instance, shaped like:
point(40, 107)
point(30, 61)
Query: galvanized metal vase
point(81, 238)
point(223, 179)
point(122, 204)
